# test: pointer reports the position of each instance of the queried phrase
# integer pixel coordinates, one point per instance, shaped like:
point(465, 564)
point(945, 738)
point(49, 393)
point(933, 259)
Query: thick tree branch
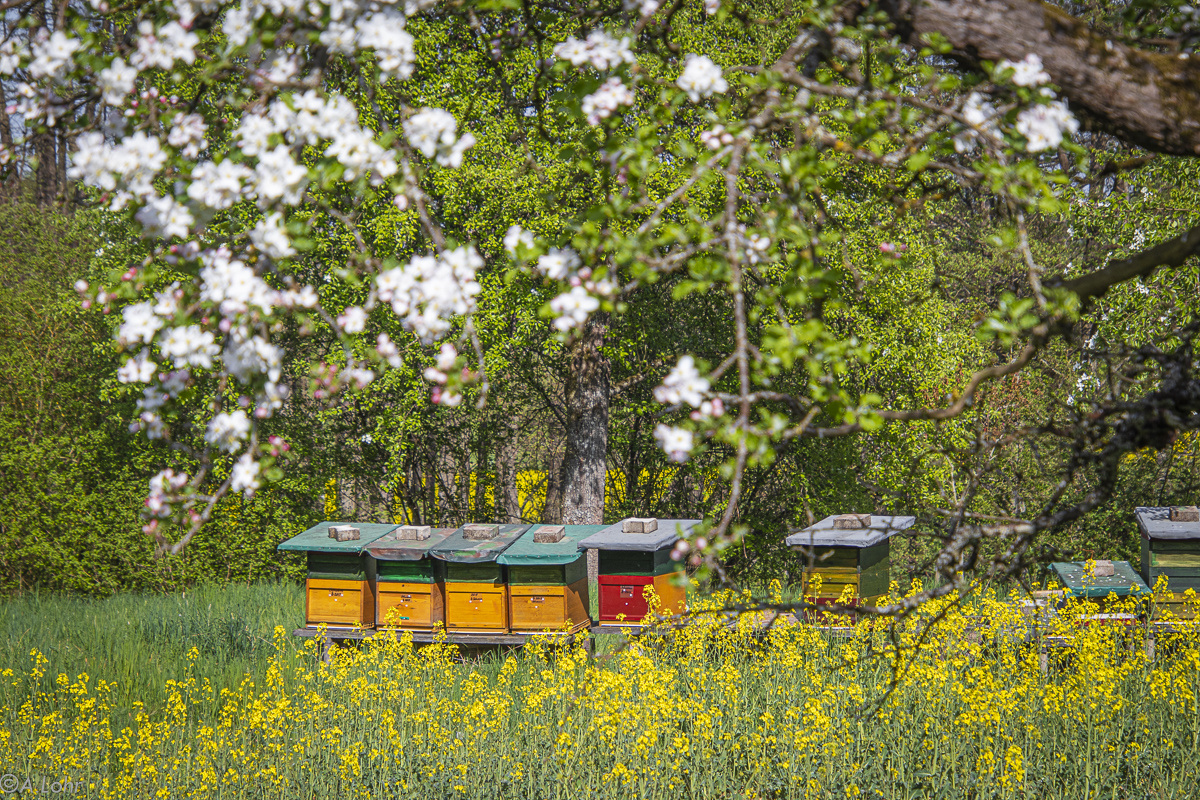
point(1148, 99)
point(1171, 253)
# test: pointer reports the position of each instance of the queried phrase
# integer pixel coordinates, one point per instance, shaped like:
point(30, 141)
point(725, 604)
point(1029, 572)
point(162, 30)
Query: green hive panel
point(549, 574)
point(633, 562)
point(484, 572)
point(316, 539)
point(337, 566)
point(424, 571)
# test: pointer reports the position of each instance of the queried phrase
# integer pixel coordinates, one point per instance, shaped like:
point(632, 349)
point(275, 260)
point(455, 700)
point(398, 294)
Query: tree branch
point(1170, 253)
point(1148, 99)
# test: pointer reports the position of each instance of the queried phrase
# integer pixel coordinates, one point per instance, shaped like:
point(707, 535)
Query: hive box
point(847, 551)
point(547, 580)
point(1170, 549)
point(631, 564)
point(476, 588)
point(410, 589)
point(339, 591)
point(1077, 581)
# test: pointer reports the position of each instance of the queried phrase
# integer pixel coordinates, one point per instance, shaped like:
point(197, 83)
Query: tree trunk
point(552, 514)
point(587, 426)
point(508, 501)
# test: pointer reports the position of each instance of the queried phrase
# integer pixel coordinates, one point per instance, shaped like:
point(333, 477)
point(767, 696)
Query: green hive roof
point(316, 539)
point(1124, 581)
point(525, 551)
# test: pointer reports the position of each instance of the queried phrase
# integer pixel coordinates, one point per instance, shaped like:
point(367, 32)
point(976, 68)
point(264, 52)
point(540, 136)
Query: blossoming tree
point(713, 138)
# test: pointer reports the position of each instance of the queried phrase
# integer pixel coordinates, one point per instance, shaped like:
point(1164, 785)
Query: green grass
point(139, 642)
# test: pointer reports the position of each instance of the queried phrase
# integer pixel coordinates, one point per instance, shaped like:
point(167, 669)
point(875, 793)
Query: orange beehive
point(547, 579)
point(339, 590)
point(409, 588)
point(476, 589)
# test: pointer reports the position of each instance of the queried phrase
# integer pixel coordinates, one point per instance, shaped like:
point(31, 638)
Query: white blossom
point(254, 134)
point(231, 285)
point(187, 134)
point(716, 138)
point(429, 290)
point(163, 216)
point(701, 78)
point(248, 356)
point(244, 476)
point(434, 132)
point(604, 101)
point(189, 345)
point(162, 485)
point(981, 115)
point(558, 264)
point(238, 26)
point(162, 48)
point(11, 51)
point(572, 308)
point(1026, 72)
point(133, 162)
point(600, 50)
point(712, 6)
point(644, 7)
point(387, 350)
point(677, 442)
point(51, 55)
point(353, 320)
point(228, 431)
point(271, 237)
point(116, 81)
point(278, 177)
point(1045, 126)
point(394, 47)
point(517, 237)
point(137, 370)
point(140, 324)
point(218, 185)
point(683, 384)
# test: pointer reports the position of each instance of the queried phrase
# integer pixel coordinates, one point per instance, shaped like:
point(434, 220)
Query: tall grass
point(139, 642)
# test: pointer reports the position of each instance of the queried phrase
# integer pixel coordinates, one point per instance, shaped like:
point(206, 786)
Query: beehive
point(631, 563)
point(339, 590)
point(1170, 549)
point(1120, 580)
point(547, 580)
point(476, 589)
point(850, 553)
point(410, 589)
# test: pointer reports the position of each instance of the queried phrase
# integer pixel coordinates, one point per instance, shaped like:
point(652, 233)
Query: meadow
point(208, 695)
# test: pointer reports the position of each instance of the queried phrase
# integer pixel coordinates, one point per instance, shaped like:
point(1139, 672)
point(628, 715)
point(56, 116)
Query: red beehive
point(634, 562)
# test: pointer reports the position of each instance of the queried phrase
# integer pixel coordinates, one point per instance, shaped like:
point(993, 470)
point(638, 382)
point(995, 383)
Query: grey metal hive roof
point(1155, 523)
point(390, 548)
point(613, 538)
point(823, 534)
